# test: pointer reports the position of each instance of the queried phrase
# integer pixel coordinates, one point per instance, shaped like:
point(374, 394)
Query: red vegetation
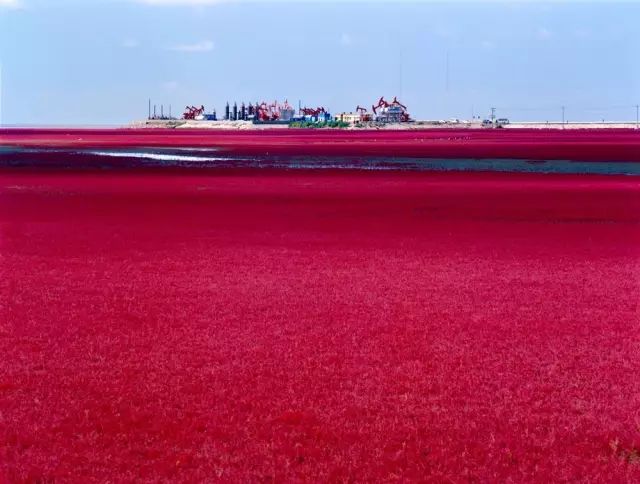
point(258, 325)
point(552, 144)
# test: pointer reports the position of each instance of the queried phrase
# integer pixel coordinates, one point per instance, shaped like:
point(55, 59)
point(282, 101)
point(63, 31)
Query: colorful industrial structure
point(383, 112)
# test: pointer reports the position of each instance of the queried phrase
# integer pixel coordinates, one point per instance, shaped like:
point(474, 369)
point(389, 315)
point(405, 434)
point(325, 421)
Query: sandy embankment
point(188, 124)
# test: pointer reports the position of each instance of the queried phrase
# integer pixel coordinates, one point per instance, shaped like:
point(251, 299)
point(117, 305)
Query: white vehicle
point(502, 121)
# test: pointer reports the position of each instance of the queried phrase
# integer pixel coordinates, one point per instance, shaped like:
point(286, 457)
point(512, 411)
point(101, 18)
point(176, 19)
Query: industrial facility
point(382, 112)
point(264, 112)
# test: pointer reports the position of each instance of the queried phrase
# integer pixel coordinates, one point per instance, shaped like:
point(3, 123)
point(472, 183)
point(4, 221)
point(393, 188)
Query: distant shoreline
point(414, 125)
point(606, 145)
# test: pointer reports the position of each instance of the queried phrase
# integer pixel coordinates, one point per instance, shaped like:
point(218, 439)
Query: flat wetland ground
point(258, 325)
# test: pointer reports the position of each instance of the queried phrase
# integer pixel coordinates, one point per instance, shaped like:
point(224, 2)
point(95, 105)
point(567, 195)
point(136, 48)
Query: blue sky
point(97, 61)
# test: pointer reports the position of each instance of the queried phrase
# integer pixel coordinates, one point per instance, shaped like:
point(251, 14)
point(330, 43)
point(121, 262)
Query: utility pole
point(562, 117)
point(493, 114)
point(149, 112)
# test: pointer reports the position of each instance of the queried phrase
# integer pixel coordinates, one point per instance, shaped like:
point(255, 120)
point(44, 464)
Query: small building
point(323, 117)
point(350, 118)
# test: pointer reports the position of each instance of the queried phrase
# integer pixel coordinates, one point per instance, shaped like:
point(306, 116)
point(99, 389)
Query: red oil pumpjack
point(382, 103)
point(268, 112)
point(192, 112)
point(364, 115)
point(404, 117)
point(398, 103)
point(312, 111)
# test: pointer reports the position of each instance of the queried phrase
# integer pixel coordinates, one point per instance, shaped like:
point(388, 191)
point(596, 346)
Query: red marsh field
point(536, 144)
point(259, 325)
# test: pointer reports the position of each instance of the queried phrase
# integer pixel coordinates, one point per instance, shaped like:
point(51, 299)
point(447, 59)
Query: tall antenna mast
point(400, 74)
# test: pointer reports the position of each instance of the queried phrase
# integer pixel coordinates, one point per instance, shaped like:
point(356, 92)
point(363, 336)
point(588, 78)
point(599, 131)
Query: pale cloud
point(11, 4)
point(345, 39)
point(543, 34)
point(508, 3)
point(130, 43)
point(203, 46)
point(179, 3)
